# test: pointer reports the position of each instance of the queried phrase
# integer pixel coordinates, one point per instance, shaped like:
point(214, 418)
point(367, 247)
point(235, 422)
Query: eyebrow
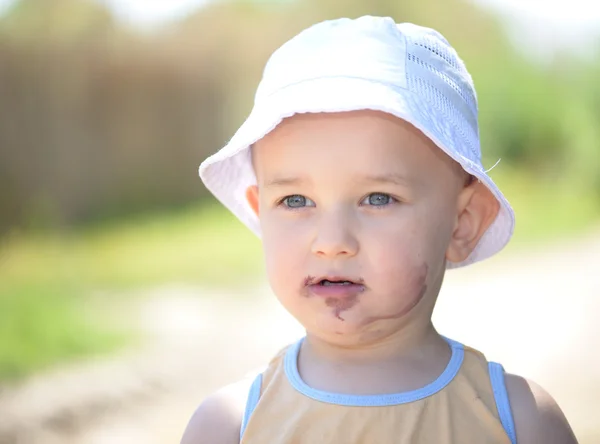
point(389, 178)
point(284, 181)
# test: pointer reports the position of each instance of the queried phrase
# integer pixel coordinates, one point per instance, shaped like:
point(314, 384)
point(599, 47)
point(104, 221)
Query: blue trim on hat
point(291, 371)
point(502, 402)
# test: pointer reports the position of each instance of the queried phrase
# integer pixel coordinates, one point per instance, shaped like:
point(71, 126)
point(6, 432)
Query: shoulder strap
point(502, 402)
point(253, 397)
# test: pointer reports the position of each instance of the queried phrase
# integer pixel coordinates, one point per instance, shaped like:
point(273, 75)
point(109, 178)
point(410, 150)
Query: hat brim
point(229, 172)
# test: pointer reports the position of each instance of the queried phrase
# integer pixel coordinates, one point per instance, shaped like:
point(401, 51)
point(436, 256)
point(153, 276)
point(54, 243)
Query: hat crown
point(377, 49)
point(337, 48)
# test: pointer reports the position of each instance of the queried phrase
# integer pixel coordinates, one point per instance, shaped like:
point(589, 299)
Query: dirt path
point(535, 312)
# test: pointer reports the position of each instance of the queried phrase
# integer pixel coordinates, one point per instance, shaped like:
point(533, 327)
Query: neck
point(406, 360)
point(407, 343)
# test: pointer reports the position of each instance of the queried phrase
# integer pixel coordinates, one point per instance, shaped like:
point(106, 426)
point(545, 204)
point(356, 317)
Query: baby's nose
point(335, 237)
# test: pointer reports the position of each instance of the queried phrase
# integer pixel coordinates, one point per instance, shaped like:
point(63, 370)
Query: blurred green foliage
point(202, 244)
point(102, 130)
point(41, 324)
point(60, 291)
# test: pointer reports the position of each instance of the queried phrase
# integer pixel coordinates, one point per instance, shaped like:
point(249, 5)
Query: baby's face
point(361, 197)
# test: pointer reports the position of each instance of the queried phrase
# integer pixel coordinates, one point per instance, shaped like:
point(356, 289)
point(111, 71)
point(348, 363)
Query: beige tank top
point(466, 404)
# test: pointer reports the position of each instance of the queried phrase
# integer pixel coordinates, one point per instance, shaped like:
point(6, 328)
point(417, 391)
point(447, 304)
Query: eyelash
point(281, 203)
point(393, 200)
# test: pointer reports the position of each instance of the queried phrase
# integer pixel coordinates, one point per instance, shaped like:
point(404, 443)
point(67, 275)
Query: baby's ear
point(477, 209)
point(252, 198)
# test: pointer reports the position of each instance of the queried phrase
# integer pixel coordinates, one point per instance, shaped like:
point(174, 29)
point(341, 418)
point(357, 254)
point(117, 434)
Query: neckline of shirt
point(293, 376)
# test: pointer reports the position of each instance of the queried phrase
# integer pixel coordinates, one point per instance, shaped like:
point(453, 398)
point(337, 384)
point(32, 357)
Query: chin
point(347, 330)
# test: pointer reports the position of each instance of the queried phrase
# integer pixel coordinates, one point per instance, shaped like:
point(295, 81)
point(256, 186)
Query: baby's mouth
point(328, 283)
point(334, 287)
point(332, 280)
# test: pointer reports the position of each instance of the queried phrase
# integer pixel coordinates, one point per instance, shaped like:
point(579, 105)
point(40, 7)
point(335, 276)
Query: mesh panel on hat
point(429, 76)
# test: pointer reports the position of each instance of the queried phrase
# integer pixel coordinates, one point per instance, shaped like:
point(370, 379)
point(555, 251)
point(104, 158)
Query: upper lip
point(332, 278)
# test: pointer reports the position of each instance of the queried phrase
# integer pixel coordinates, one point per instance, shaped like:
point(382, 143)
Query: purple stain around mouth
point(341, 305)
point(322, 286)
point(309, 280)
point(418, 291)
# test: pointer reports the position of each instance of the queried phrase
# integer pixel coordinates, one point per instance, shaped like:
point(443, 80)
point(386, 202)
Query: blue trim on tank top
point(496, 372)
point(251, 402)
point(291, 371)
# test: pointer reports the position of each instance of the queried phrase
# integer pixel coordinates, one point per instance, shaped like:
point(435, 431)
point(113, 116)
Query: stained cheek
point(416, 290)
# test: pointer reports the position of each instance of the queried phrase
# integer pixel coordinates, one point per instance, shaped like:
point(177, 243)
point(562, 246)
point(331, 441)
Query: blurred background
point(127, 294)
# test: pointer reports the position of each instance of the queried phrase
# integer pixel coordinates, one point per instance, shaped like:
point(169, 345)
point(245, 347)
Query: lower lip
point(336, 291)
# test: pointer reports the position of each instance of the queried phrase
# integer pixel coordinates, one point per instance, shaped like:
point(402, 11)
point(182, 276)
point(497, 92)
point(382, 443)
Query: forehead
point(354, 142)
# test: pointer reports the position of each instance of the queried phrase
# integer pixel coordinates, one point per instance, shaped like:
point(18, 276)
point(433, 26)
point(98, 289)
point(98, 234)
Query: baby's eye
point(297, 201)
point(377, 199)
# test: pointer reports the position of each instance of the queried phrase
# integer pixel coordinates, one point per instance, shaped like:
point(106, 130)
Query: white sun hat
point(373, 63)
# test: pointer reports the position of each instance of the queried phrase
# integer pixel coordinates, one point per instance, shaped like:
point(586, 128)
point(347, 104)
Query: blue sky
point(537, 24)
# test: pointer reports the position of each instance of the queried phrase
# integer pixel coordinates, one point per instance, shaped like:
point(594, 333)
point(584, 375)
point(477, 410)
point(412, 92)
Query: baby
point(360, 168)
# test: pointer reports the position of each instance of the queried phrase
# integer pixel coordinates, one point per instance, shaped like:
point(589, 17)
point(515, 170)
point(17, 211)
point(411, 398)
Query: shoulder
point(537, 416)
point(219, 417)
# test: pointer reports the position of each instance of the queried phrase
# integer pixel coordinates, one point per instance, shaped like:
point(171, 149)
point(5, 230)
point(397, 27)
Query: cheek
point(392, 249)
point(413, 240)
point(284, 252)
point(409, 295)
point(413, 290)
point(398, 263)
